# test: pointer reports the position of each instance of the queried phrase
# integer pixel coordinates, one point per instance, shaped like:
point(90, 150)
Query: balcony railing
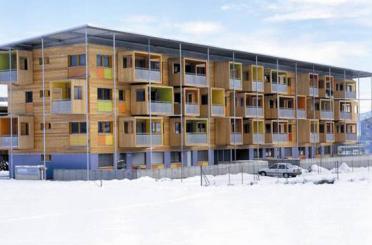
point(350, 94)
point(280, 137)
point(330, 137)
point(257, 86)
point(8, 75)
point(6, 141)
point(325, 115)
point(196, 138)
point(351, 136)
point(345, 115)
point(314, 138)
point(286, 113)
point(279, 88)
point(253, 111)
point(235, 84)
point(258, 138)
point(236, 138)
point(313, 92)
point(61, 106)
point(198, 80)
point(192, 108)
point(147, 139)
point(163, 107)
point(147, 75)
point(218, 110)
point(301, 114)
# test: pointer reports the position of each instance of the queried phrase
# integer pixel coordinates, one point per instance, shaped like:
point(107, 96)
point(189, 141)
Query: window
point(78, 128)
point(246, 127)
point(177, 127)
point(105, 160)
point(104, 94)
point(140, 95)
point(28, 97)
point(76, 60)
point(48, 126)
point(104, 61)
point(104, 127)
point(128, 128)
point(121, 95)
point(204, 99)
point(177, 98)
point(23, 65)
point(176, 68)
point(47, 93)
point(271, 102)
point(155, 127)
point(24, 128)
point(175, 156)
point(268, 128)
point(48, 157)
point(46, 60)
point(321, 128)
point(127, 61)
point(78, 90)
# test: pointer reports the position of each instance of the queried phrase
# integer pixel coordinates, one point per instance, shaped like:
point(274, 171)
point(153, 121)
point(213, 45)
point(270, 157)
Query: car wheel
point(285, 175)
point(262, 173)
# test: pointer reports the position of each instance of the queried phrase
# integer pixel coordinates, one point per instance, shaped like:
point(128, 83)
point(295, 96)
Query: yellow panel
point(104, 106)
point(107, 73)
point(77, 139)
point(108, 140)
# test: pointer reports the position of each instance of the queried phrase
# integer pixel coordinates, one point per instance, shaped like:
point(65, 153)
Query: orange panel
point(101, 139)
point(122, 107)
point(100, 72)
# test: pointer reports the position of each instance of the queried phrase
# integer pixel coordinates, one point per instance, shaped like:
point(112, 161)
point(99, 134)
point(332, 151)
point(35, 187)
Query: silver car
point(280, 170)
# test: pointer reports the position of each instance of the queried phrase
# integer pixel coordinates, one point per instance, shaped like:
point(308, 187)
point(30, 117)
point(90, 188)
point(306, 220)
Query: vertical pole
point(296, 102)
point(87, 104)
point(358, 125)
point(149, 96)
point(209, 109)
point(10, 108)
point(44, 126)
point(257, 124)
point(234, 91)
point(181, 107)
point(115, 102)
point(277, 100)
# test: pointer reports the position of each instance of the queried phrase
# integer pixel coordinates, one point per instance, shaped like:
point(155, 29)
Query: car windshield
point(273, 166)
point(282, 166)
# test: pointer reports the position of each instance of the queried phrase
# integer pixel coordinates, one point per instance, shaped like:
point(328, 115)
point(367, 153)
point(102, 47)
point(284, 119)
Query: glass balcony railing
point(314, 138)
point(253, 111)
point(313, 92)
point(286, 113)
point(279, 88)
point(163, 107)
point(258, 138)
point(147, 75)
point(257, 86)
point(301, 113)
point(196, 138)
point(351, 136)
point(236, 138)
point(61, 106)
point(8, 75)
point(196, 79)
point(218, 110)
point(147, 139)
point(330, 137)
point(276, 137)
point(235, 84)
point(350, 94)
point(192, 108)
point(325, 115)
point(7, 141)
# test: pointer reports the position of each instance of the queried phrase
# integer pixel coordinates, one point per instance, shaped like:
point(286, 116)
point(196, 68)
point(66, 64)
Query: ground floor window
point(106, 160)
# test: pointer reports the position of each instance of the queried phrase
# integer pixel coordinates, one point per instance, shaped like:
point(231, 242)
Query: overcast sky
point(335, 32)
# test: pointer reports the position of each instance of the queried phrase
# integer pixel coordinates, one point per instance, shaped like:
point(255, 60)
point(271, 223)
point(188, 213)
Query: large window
point(104, 61)
point(104, 94)
point(78, 128)
point(104, 127)
point(76, 60)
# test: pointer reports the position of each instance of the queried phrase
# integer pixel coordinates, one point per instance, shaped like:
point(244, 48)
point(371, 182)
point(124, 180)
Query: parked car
point(280, 170)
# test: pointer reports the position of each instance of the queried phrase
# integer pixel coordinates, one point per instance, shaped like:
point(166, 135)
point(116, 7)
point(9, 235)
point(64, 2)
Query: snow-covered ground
point(145, 211)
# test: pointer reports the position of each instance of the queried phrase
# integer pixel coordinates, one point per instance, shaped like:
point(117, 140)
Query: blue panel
point(167, 159)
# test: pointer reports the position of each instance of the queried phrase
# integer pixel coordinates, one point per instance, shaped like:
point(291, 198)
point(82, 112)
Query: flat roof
point(135, 41)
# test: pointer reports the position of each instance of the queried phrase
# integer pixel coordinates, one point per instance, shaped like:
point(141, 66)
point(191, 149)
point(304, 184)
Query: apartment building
point(102, 99)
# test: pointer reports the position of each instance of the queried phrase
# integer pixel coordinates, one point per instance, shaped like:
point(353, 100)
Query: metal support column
point(87, 104)
point(44, 94)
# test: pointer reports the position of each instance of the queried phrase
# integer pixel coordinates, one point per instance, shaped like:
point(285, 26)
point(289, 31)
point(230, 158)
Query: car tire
point(262, 173)
point(285, 175)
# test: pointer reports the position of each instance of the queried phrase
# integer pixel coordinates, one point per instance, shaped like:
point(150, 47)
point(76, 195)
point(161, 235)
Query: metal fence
point(331, 162)
point(81, 174)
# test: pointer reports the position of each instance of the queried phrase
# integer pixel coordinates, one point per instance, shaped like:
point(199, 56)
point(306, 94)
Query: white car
point(280, 170)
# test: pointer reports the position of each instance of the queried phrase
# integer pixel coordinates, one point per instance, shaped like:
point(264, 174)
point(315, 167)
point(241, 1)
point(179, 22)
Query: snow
point(145, 211)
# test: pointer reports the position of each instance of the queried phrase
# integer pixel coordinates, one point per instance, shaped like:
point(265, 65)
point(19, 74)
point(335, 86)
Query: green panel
point(4, 61)
point(104, 106)
point(166, 94)
point(107, 73)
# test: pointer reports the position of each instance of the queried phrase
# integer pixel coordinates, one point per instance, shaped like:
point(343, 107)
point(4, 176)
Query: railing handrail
point(155, 134)
point(61, 100)
point(160, 101)
point(7, 70)
point(196, 133)
point(195, 74)
point(146, 69)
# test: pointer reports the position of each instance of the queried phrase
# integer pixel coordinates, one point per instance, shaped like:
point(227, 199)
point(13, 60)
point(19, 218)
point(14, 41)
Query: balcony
point(286, 113)
point(16, 132)
point(253, 111)
point(258, 138)
point(8, 76)
point(301, 114)
point(350, 94)
point(218, 110)
point(162, 107)
point(257, 86)
point(345, 115)
point(279, 88)
point(147, 75)
point(16, 67)
point(149, 140)
point(330, 137)
point(326, 115)
point(196, 138)
point(196, 80)
point(313, 92)
point(351, 136)
point(67, 97)
point(314, 138)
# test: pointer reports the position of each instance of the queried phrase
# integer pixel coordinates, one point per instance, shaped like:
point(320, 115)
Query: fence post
point(337, 171)
point(201, 175)
point(228, 173)
point(242, 170)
